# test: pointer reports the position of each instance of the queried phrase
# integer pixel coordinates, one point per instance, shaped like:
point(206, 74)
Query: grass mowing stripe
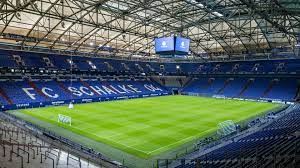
point(150, 126)
point(182, 140)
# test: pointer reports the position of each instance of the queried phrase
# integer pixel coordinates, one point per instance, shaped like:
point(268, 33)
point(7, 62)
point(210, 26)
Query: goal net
point(64, 119)
point(226, 128)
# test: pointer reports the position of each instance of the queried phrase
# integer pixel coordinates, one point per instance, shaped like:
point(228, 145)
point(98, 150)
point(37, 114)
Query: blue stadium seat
point(258, 149)
point(24, 92)
point(260, 88)
point(6, 60)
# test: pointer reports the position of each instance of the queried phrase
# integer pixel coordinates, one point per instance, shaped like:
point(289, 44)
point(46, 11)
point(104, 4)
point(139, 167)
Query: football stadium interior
point(149, 83)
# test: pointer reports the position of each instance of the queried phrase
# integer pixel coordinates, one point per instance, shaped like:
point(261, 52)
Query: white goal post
point(71, 105)
point(64, 119)
point(226, 127)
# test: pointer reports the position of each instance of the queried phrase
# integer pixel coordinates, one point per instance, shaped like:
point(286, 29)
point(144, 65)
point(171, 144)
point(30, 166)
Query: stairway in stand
point(88, 86)
point(226, 83)
point(210, 81)
point(32, 84)
point(270, 87)
point(297, 96)
point(4, 95)
point(249, 82)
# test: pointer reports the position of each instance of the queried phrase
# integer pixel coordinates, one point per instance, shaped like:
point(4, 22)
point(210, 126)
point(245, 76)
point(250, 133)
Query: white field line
point(120, 144)
point(131, 146)
point(178, 142)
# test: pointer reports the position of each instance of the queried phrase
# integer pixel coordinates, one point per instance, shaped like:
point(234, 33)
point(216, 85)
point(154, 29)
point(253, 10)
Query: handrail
point(10, 159)
point(25, 145)
point(91, 153)
point(24, 152)
point(53, 165)
point(3, 146)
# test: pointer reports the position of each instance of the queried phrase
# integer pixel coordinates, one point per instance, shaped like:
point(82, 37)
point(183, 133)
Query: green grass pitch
point(149, 126)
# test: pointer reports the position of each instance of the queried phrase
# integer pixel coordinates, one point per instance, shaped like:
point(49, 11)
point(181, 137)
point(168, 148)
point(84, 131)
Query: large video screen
point(182, 45)
point(164, 44)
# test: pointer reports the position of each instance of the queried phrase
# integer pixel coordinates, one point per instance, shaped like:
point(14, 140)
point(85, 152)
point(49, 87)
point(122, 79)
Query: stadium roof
point(128, 27)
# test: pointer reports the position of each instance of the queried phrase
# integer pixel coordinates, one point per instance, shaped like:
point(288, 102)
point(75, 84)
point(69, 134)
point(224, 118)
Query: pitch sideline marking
point(144, 151)
point(131, 146)
point(179, 141)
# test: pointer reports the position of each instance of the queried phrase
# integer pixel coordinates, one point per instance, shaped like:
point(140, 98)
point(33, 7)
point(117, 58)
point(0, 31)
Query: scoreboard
point(164, 44)
point(182, 45)
point(172, 46)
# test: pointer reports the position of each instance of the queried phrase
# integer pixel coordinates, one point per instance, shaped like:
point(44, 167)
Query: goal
point(64, 119)
point(226, 128)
